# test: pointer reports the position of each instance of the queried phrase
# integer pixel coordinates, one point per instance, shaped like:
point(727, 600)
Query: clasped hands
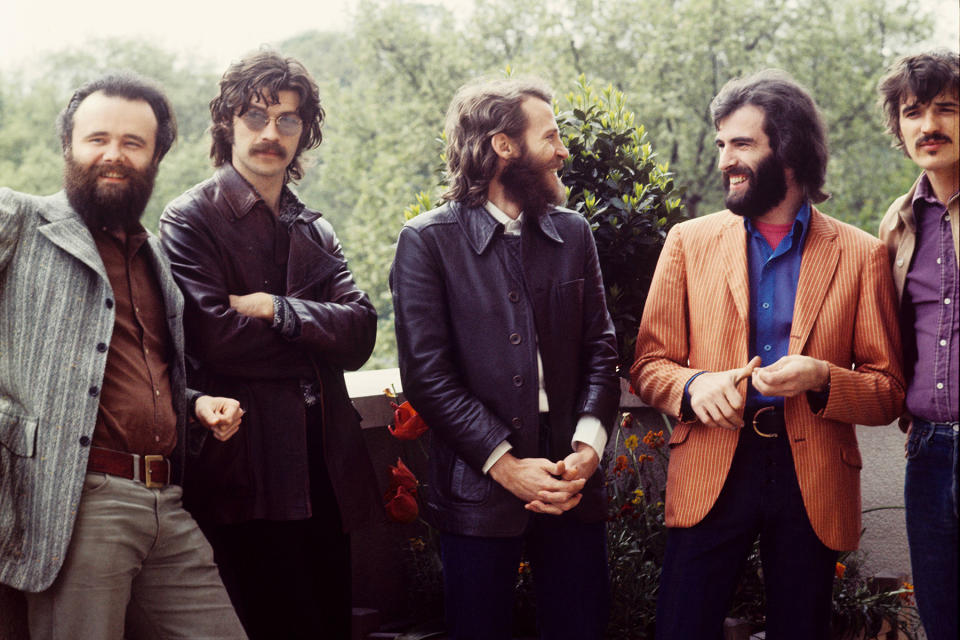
point(717, 402)
point(546, 486)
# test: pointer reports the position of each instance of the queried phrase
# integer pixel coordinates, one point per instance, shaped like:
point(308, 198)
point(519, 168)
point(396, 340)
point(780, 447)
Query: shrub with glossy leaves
point(613, 178)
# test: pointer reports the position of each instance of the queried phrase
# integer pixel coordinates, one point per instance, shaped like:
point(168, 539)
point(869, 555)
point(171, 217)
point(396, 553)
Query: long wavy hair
point(479, 111)
point(265, 74)
point(791, 121)
point(923, 76)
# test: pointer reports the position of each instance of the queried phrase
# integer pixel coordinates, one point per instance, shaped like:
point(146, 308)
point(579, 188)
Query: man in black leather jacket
point(273, 315)
point(508, 353)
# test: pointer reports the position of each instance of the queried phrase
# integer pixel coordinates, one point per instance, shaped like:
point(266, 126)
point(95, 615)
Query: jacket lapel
point(733, 248)
point(66, 230)
point(821, 254)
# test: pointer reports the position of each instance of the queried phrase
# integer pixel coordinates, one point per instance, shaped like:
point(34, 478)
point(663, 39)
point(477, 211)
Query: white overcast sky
point(223, 30)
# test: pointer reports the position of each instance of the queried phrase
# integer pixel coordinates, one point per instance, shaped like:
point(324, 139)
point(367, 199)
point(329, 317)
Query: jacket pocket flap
point(18, 431)
point(851, 455)
point(680, 433)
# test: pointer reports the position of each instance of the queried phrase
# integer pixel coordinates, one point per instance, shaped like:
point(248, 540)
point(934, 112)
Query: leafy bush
point(630, 199)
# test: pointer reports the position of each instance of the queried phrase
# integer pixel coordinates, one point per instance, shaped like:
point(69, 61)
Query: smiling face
point(931, 132)
point(754, 180)
point(110, 164)
point(264, 154)
point(531, 179)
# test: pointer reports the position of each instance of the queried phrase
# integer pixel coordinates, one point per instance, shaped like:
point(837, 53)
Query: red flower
point(627, 421)
point(621, 464)
point(654, 439)
point(839, 570)
point(401, 506)
point(400, 500)
point(407, 423)
point(402, 477)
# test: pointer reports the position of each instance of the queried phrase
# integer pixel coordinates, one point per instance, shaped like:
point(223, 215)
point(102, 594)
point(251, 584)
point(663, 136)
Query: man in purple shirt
point(921, 98)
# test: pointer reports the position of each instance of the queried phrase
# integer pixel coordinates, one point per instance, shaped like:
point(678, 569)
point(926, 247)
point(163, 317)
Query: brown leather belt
point(153, 471)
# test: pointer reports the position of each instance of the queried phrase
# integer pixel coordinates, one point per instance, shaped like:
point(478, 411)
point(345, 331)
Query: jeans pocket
point(915, 442)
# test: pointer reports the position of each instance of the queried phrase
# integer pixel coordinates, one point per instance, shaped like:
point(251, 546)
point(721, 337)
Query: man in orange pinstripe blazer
point(770, 330)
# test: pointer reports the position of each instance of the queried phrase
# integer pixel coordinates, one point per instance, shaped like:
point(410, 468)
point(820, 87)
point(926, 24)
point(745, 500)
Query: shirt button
point(84, 441)
point(946, 301)
point(513, 296)
point(93, 391)
point(101, 347)
point(767, 347)
point(938, 260)
point(515, 338)
point(765, 305)
point(109, 303)
point(943, 343)
point(899, 262)
point(517, 381)
point(939, 385)
point(516, 422)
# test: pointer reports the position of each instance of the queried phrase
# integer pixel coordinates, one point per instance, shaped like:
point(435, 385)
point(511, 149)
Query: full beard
point(766, 189)
point(535, 187)
point(117, 207)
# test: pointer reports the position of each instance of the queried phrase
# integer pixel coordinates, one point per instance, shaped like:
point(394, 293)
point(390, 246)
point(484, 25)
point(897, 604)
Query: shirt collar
point(801, 222)
point(242, 196)
point(511, 227)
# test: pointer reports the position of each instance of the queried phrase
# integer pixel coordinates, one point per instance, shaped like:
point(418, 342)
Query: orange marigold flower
point(907, 595)
point(631, 443)
point(523, 568)
point(653, 439)
point(643, 458)
point(417, 544)
point(621, 464)
point(390, 393)
point(407, 423)
point(839, 570)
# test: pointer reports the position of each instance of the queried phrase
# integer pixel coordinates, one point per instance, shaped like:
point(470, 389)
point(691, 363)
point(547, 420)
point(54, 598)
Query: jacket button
point(109, 303)
point(84, 441)
point(517, 381)
point(93, 391)
point(102, 347)
point(515, 338)
point(517, 423)
point(513, 296)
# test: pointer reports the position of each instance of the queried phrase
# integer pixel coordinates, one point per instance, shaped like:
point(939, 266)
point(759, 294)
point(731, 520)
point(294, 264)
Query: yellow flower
point(637, 496)
point(632, 442)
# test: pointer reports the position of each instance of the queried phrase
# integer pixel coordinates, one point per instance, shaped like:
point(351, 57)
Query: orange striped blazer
point(697, 319)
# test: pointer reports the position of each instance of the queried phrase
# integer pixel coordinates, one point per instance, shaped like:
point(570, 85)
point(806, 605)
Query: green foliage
point(385, 83)
point(613, 179)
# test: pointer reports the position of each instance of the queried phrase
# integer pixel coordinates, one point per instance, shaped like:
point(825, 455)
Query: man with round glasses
point(273, 314)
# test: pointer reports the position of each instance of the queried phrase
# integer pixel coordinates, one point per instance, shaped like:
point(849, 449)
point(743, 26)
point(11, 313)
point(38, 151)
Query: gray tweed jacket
point(56, 306)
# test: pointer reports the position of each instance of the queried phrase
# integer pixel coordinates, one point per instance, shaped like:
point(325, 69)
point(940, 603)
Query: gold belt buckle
point(148, 472)
point(763, 434)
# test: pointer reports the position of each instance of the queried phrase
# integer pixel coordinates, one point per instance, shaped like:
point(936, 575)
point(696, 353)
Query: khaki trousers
point(137, 567)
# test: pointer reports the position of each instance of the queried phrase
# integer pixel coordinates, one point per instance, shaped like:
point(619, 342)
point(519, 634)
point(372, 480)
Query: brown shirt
point(136, 413)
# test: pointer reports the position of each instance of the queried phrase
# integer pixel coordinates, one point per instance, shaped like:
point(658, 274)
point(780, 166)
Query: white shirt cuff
point(590, 432)
point(497, 453)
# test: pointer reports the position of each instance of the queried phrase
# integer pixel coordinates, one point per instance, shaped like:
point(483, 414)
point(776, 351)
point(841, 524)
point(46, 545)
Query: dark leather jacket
point(469, 319)
point(222, 239)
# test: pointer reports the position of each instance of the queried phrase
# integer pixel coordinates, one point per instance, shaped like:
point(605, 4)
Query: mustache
point(268, 147)
point(933, 137)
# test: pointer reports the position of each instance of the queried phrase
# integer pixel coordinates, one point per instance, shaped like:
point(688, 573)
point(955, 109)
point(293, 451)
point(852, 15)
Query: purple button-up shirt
point(930, 299)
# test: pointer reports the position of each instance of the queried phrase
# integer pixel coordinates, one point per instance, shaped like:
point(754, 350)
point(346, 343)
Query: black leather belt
point(767, 422)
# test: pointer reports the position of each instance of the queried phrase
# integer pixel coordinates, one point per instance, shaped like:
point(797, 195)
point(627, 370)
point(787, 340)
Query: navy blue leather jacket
point(470, 314)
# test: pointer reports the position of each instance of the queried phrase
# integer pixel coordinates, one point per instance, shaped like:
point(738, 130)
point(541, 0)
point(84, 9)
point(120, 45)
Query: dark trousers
point(290, 579)
point(568, 559)
point(703, 564)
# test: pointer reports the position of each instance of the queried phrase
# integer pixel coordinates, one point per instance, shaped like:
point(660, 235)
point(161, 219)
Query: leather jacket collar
point(241, 197)
point(480, 227)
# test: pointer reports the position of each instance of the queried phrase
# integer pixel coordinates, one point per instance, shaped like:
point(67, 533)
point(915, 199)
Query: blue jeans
point(930, 494)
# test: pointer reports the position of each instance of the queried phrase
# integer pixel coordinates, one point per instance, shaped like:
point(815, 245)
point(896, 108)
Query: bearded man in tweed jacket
point(93, 403)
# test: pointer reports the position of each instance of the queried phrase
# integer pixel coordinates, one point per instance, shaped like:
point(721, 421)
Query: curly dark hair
point(923, 76)
point(265, 74)
point(479, 111)
point(130, 86)
point(791, 121)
